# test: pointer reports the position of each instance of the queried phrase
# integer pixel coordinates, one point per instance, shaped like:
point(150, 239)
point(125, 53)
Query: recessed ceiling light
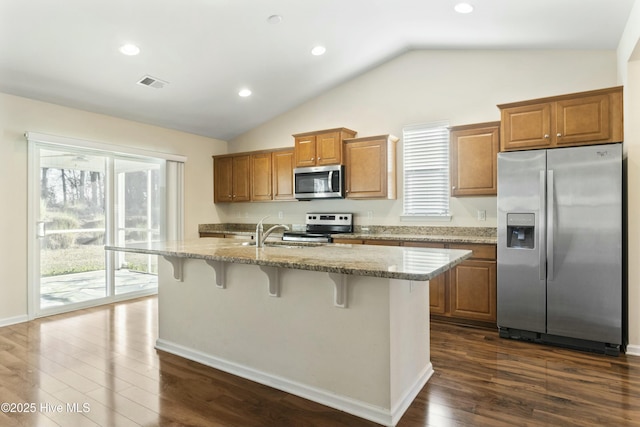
point(274, 19)
point(129, 49)
point(244, 93)
point(463, 8)
point(318, 50)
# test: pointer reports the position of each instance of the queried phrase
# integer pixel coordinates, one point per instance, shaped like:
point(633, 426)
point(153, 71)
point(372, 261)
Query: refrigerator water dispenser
point(520, 230)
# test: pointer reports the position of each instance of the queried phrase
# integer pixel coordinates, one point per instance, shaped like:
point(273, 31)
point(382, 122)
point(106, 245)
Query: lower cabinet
point(467, 292)
point(473, 290)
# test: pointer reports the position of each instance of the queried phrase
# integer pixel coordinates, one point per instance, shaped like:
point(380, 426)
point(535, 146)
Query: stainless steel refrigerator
point(560, 246)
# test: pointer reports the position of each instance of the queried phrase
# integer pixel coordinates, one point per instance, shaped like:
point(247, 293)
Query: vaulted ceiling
point(203, 52)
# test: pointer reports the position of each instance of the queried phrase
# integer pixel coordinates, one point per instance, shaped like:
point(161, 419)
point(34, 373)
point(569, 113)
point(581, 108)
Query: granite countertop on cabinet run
point(392, 262)
point(478, 235)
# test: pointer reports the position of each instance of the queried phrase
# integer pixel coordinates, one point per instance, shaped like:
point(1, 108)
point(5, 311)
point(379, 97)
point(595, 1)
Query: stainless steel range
point(320, 227)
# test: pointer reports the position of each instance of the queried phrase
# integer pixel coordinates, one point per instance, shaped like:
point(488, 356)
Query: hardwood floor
point(99, 367)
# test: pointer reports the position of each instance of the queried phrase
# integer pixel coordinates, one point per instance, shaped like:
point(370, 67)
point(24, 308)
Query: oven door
point(322, 182)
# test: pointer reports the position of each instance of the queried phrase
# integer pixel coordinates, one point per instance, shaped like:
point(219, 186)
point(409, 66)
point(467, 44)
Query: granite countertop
point(478, 235)
point(392, 262)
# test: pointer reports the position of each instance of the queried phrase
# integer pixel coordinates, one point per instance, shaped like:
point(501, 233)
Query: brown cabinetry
point(282, 163)
point(255, 176)
point(261, 177)
point(231, 178)
point(473, 285)
point(474, 158)
point(464, 294)
point(320, 148)
point(370, 167)
point(593, 117)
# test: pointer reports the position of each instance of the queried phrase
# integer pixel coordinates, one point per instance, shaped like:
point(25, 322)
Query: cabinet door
point(283, 175)
point(241, 178)
point(305, 151)
point(527, 126)
point(329, 148)
point(438, 285)
point(366, 169)
point(437, 294)
point(261, 176)
point(583, 120)
point(222, 179)
point(473, 290)
point(474, 156)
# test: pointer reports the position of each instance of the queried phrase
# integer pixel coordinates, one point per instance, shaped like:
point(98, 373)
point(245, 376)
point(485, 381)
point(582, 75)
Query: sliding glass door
point(71, 227)
point(139, 196)
point(83, 199)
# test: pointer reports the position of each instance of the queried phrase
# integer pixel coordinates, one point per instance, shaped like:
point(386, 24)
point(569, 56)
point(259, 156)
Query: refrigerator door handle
point(542, 262)
point(550, 224)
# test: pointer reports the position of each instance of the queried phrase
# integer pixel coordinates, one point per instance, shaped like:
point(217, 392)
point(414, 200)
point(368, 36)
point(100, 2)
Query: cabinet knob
point(453, 188)
point(546, 135)
point(313, 158)
point(559, 135)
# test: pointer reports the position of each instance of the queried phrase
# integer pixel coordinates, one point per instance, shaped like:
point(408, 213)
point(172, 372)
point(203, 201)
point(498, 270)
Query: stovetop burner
point(320, 227)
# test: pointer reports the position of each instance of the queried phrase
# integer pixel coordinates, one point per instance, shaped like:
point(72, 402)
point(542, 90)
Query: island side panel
point(411, 366)
point(299, 337)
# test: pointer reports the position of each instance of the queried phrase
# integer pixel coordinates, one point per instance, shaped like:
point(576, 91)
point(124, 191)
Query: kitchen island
point(343, 325)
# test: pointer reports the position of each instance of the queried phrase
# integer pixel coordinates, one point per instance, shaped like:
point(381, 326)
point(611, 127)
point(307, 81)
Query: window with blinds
point(426, 169)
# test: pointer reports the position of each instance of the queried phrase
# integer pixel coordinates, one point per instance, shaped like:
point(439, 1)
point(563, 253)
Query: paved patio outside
point(79, 287)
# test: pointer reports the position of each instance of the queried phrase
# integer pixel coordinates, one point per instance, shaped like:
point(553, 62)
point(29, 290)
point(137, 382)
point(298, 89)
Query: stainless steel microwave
point(319, 182)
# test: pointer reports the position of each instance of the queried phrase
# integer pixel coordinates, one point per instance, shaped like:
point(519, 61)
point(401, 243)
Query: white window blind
point(426, 169)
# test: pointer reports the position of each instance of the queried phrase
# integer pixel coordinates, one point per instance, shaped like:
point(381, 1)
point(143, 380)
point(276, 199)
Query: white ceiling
point(66, 51)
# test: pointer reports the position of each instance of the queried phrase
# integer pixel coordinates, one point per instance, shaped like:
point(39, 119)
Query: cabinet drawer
point(480, 251)
point(348, 241)
point(383, 242)
point(424, 245)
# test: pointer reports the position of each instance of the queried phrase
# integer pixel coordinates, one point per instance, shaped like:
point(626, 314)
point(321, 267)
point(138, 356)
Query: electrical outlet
point(482, 215)
point(370, 214)
point(280, 214)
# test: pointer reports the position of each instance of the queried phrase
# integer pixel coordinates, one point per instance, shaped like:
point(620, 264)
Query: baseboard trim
point(632, 350)
point(14, 320)
point(352, 406)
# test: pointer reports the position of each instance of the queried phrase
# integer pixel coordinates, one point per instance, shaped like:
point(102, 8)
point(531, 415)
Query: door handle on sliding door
point(41, 229)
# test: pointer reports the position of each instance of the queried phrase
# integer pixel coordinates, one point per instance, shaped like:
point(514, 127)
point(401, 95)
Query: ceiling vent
point(152, 82)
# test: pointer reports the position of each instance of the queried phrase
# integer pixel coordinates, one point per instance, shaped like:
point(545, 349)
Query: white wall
point(18, 115)
point(420, 86)
point(629, 71)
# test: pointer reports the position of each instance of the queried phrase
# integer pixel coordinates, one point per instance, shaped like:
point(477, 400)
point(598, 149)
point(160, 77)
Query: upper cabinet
point(282, 174)
point(231, 182)
point(261, 173)
point(320, 148)
point(473, 159)
point(370, 167)
point(593, 117)
point(256, 176)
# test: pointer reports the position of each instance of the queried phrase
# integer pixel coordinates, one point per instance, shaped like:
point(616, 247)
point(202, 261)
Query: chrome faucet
point(262, 235)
